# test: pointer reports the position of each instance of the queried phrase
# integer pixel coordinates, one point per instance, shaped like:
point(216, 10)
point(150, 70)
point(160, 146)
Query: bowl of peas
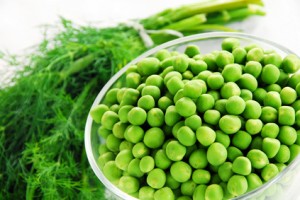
point(210, 116)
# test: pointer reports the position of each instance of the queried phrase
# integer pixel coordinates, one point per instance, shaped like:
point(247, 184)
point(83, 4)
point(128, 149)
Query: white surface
point(20, 19)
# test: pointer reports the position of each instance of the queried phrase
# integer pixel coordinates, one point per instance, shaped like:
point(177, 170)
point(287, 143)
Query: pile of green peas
point(201, 126)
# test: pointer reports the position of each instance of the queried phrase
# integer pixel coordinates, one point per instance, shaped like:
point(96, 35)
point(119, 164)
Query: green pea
point(268, 114)
point(297, 92)
point(222, 138)
point(205, 102)
point(104, 158)
point(161, 159)
point(255, 54)
point(246, 94)
point(186, 136)
point(210, 60)
point(164, 102)
point(130, 97)
point(175, 128)
point(192, 89)
point(187, 75)
point(233, 153)
point(280, 166)
point(120, 94)
point(291, 63)
point(259, 95)
point(283, 78)
point(134, 169)
point(220, 105)
point(230, 124)
point(242, 140)
point(119, 129)
point(201, 176)
point(123, 159)
point(214, 192)
point(287, 135)
point(237, 185)
point(148, 66)
point(223, 58)
point(269, 172)
point(146, 164)
point(162, 54)
point(283, 154)
point(230, 89)
point(229, 44)
point(113, 143)
point(187, 188)
point(258, 158)
point(294, 80)
point(171, 182)
point(254, 68)
point(181, 171)
point(137, 116)
point(134, 134)
point(253, 126)
point(156, 178)
point(253, 181)
point(197, 66)
point(205, 135)
point(225, 171)
point(133, 80)
point(239, 55)
point(270, 74)
point(185, 107)
point(256, 143)
point(146, 102)
point(98, 111)
point(152, 91)
point(140, 150)
point(170, 75)
point(192, 50)
point(180, 63)
point(125, 145)
point(131, 68)
point(109, 119)
point(198, 159)
point(102, 149)
point(179, 94)
point(286, 115)
point(154, 137)
point(193, 122)
point(111, 96)
point(270, 146)
point(199, 192)
point(175, 151)
point(103, 132)
point(241, 165)
point(111, 171)
point(171, 116)
point(270, 130)
point(212, 117)
point(294, 152)
point(247, 81)
point(288, 95)
point(155, 117)
point(274, 87)
point(215, 81)
point(273, 58)
point(296, 105)
point(174, 84)
point(123, 113)
point(204, 76)
point(235, 105)
point(232, 72)
point(146, 193)
point(216, 154)
point(114, 108)
point(215, 94)
point(164, 193)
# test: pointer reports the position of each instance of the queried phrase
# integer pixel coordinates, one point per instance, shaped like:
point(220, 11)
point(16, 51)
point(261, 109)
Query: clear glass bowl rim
point(100, 96)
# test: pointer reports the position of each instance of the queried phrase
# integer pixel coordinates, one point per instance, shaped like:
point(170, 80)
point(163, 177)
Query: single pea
point(291, 63)
point(120, 94)
point(133, 80)
point(152, 91)
point(274, 87)
point(270, 74)
point(220, 105)
point(239, 55)
point(233, 153)
point(103, 132)
point(192, 50)
point(113, 143)
point(187, 188)
point(287, 135)
point(123, 159)
point(259, 95)
point(162, 54)
point(223, 58)
point(188, 75)
point(156, 178)
point(230, 89)
point(137, 116)
point(254, 68)
point(154, 137)
point(205, 135)
point(246, 94)
point(119, 129)
point(134, 134)
point(288, 95)
point(171, 116)
point(140, 150)
point(269, 172)
point(164, 102)
point(134, 169)
point(109, 119)
point(229, 44)
point(146, 102)
point(242, 165)
point(283, 78)
point(201, 176)
point(111, 96)
point(258, 158)
point(255, 54)
point(198, 159)
point(215, 94)
point(155, 117)
point(235, 105)
point(174, 84)
point(181, 171)
point(216, 154)
point(111, 171)
point(268, 114)
point(199, 192)
point(294, 80)
point(280, 166)
point(286, 115)
point(296, 105)
point(197, 66)
point(270, 146)
point(172, 74)
point(130, 97)
point(161, 159)
point(141, 87)
point(98, 111)
point(222, 138)
point(215, 81)
point(248, 81)
point(253, 181)
point(273, 58)
point(230, 124)
point(164, 193)
point(175, 151)
point(232, 72)
point(166, 65)
point(210, 60)
point(185, 107)
point(225, 171)
point(283, 154)
point(123, 113)
point(176, 127)
point(194, 122)
point(180, 63)
point(104, 158)
point(270, 130)
point(148, 66)
point(146, 193)
point(115, 108)
point(102, 149)
point(242, 140)
point(212, 117)
point(294, 152)
point(186, 136)
point(214, 192)
point(237, 185)
point(125, 145)
point(205, 102)
point(171, 182)
point(204, 76)
point(253, 126)
point(192, 89)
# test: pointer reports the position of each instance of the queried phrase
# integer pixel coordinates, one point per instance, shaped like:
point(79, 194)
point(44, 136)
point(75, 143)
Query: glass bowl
point(283, 186)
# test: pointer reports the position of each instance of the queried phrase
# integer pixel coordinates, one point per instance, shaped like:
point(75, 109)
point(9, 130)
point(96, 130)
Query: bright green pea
point(156, 178)
point(259, 95)
point(146, 164)
point(237, 185)
point(253, 181)
point(280, 166)
point(98, 111)
point(171, 116)
point(229, 44)
point(102, 149)
point(230, 89)
point(194, 122)
point(215, 81)
point(179, 94)
point(181, 171)
point(111, 171)
point(192, 89)
point(140, 150)
point(120, 94)
point(270, 147)
point(109, 119)
point(270, 130)
point(291, 63)
point(288, 95)
point(239, 55)
point(180, 63)
point(225, 171)
point(253, 126)
point(141, 87)
point(192, 50)
point(164, 193)
point(246, 94)
point(223, 58)
point(113, 143)
point(176, 127)
point(187, 75)
point(215, 94)
point(273, 58)
point(205, 102)
point(269, 172)
point(111, 96)
point(220, 105)
point(268, 114)
point(119, 129)
point(123, 113)
point(270, 74)
point(154, 137)
point(134, 134)
point(146, 193)
point(125, 145)
point(115, 108)
point(204, 76)
point(230, 124)
point(134, 168)
point(212, 117)
point(172, 74)
point(171, 182)
point(185, 107)
point(155, 117)
point(298, 138)
point(104, 158)
point(198, 159)
point(214, 192)
point(283, 154)
point(294, 152)
point(199, 192)
point(274, 87)
point(164, 102)
point(123, 159)
point(247, 81)
point(254, 68)
point(151, 90)
point(186, 136)
point(233, 153)
point(103, 132)
point(174, 84)
point(287, 135)
point(258, 158)
point(201, 176)
point(232, 72)
point(235, 105)
point(146, 102)
point(148, 66)
point(162, 54)
point(296, 105)
point(175, 151)
point(294, 80)
point(161, 159)
point(286, 115)
point(210, 60)
point(130, 97)
point(241, 140)
point(222, 138)
point(133, 80)
point(216, 154)
point(137, 116)
point(205, 135)
point(197, 66)
point(255, 54)
point(241, 165)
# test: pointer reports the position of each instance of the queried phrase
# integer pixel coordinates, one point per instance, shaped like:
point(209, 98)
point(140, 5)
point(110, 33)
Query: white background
point(20, 19)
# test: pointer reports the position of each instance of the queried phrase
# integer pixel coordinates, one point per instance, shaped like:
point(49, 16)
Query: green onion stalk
point(44, 109)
